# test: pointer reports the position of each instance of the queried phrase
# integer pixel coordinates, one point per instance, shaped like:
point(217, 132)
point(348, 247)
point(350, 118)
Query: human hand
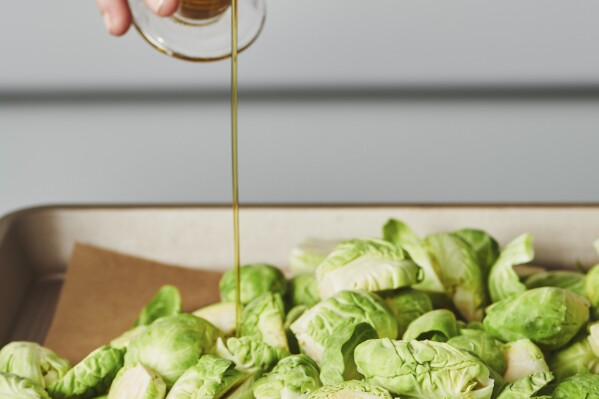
point(117, 15)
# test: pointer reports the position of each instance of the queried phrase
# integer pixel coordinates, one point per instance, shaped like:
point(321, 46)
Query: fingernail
point(107, 22)
point(156, 5)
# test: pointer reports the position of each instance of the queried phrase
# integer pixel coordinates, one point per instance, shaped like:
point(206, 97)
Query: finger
point(116, 15)
point(163, 8)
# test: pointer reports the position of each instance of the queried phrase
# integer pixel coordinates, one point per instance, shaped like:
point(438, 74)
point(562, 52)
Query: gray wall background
point(425, 101)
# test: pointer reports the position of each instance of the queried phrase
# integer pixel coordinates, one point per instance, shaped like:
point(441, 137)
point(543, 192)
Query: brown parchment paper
point(104, 292)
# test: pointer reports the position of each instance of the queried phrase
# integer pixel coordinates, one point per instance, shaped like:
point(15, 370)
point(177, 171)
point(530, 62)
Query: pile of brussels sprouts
point(447, 316)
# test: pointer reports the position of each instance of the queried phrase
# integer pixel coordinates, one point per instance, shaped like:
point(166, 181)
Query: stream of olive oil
point(234, 166)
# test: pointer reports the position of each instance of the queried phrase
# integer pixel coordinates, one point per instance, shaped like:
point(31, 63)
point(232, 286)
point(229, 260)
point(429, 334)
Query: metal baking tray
point(35, 244)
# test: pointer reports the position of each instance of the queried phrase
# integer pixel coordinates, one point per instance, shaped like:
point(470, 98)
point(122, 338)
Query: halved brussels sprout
point(264, 318)
point(292, 377)
point(137, 382)
point(350, 390)
point(166, 302)
point(303, 290)
point(15, 387)
point(123, 341)
point(548, 316)
point(437, 325)
point(307, 255)
point(407, 305)
point(222, 315)
point(400, 234)
point(484, 246)
point(33, 362)
point(460, 273)
point(256, 280)
point(314, 327)
point(210, 378)
point(522, 358)
point(366, 264)
point(579, 386)
point(338, 363)
point(250, 354)
point(570, 280)
point(526, 387)
point(90, 377)
point(577, 357)
point(481, 345)
point(423, 369)
point(592, 290)
point(503, 280)
point(173, 344)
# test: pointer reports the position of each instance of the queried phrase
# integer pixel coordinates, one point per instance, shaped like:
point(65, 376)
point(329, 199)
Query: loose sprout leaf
point(503, 280)
point(211, 377)
point(522, 358)
point(173, 344)
point(222, 315)
point(256, 280)
point(307, 255)
point(338, 363)
point(350, 390)
point(292, 377)
point(264, 318)
point(33, 362)
point(437, 325)
point(303, 290)
point(481, 345)
point(423, 369)
point(579, 386)
point(90, 377)
point(366, 264)
point(484, 246)
point(407, 305)
point(526, 387)
point(249, 354)
point(314, 327)
point(460, 273)
point(137, 382)
point(166, 302)
point(400, 234)
point(548, 316)
point(15, 387)
point(570, 280)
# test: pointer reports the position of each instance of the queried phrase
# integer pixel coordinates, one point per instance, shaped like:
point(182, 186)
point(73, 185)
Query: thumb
point(163, 8)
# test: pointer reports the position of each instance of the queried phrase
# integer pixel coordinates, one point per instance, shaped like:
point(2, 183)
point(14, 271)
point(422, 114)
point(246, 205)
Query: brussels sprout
point(249, 354)
point(303, 290)
point(407, 305)
point(579, 386)
point(33, 362)
point(591, 289)
point(123, 341)
point(548, 316)
point(366, 264)
point(503, 280)
point(294, 314)
point(338, 363)
point(263, 318)
point(222, 315)
point(15, 387)
point(350, 390)
point(90, 377)
point(522, 358)
point(577, 357)
point(437, 325)
point(173, 344)
point(594, 337)
point(573, 281)
point(484, 246)
point(400, 234)
point(137, 382)
point(526, 387)
point(481, 345)
point(423, 369)
point(211, 377)
point(245, 390)
point(256, 280)
point(306, 256)
point(314, 327)
point(166, 302)
point(292, 377)
point(460, 274)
